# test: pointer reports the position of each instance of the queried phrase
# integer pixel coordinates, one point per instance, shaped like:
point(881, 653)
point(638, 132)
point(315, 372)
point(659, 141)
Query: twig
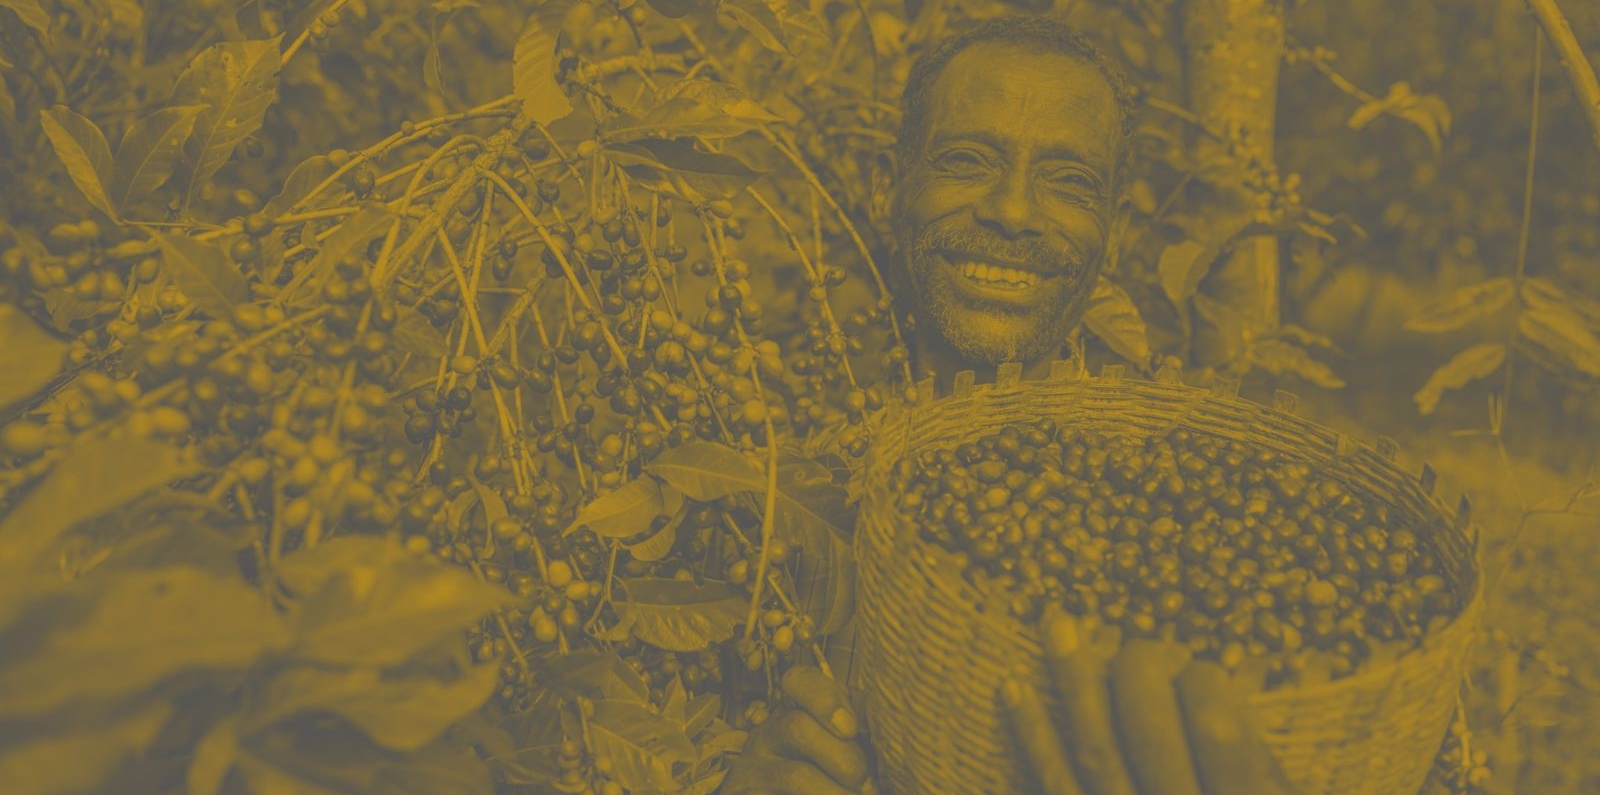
point(1579, 71)
point(1527, 212)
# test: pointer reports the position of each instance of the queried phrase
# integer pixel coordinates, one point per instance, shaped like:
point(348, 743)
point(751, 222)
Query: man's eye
point(1072, 184)
point(961, 161)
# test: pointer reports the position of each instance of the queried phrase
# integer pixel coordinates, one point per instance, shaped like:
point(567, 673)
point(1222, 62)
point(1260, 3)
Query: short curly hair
point(1029, 32)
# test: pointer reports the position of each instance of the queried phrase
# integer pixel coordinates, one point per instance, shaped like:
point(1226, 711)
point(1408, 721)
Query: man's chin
point(992, 340)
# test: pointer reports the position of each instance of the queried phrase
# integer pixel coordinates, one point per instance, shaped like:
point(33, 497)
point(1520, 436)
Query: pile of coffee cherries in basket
point(1237, 551)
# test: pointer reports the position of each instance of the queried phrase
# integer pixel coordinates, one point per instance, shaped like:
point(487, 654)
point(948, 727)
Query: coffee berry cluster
point(1232, 550)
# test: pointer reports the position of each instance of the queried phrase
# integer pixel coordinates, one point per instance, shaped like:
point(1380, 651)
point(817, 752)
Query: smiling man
point(1012, 153)
point(1012, 146)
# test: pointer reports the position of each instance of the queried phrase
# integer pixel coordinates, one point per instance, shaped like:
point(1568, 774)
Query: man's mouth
point(996, 277)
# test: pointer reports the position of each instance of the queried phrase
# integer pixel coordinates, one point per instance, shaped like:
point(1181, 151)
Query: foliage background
point(149, 659)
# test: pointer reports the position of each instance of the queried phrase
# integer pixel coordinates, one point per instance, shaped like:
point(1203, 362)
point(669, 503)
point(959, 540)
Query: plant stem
point(1527, 215)
point(1579, 71)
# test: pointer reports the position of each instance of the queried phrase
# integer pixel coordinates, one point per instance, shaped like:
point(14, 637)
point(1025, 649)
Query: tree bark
point(1233, 55)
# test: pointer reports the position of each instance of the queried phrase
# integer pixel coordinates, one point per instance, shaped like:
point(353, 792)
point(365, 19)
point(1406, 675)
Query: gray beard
point(1050, 325)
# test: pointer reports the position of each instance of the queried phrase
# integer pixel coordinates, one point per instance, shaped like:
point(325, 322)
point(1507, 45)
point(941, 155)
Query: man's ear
point(883, 181)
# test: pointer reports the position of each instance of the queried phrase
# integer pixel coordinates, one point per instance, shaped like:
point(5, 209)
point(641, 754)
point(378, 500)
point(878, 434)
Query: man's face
point(1005, 218)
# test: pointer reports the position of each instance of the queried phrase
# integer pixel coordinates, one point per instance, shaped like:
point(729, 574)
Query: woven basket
point(933, 650)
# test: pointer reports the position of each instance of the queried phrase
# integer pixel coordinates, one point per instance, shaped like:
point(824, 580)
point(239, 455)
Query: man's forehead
point(1063, 93)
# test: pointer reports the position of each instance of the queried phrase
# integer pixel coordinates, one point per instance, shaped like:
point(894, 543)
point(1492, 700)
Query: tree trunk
point(1234, 51)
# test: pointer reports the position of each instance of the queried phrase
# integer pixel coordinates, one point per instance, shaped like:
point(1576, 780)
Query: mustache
point(987, 245)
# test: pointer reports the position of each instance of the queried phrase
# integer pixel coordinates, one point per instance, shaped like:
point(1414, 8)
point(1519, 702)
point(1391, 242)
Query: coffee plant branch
point(1579, 70)
point(1520, 273)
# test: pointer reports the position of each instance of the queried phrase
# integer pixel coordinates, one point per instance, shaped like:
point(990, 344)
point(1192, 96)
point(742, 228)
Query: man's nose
point(1009, 208)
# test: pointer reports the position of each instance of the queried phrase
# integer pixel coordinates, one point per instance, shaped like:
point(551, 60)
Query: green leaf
point(1285, 358)
point(660, 542)
point(697, 714)
point(696, 107)
point(1474, 363)
point(438, 770)
point(707, 471)
point(640, 745)
point(1231, 329)
point(237, 81)
point(32, 14)
point(142, 628)
point(808, 510)
point(149, 151)
point(826, 585)
point(313, 171)
point(30, 357)
point(1182, 268)
point(494, 506)
point(349, 241)
point(675, 702)
point(709, 784)
point(296, 190)
point(680, 117)
point(412, 332)
point(1540, 291)
point(1562, 333)
point(673, 166)
point(677, 9)
point(595, 674)
point(304, 573)
point(8, 103)
point(433, 64)
point(262, 777)
point(625, 512)
point(533, 76)
point(305, 16)
point(804, 32)
point(725, 741)
point(677, 615)
point(385, 614)
point(96, 476)
point(214, 757)
point(725, 98)
point(312, 758)
point(82, 148)
point(1113, 317)
point(65, 308)
point(811, 509)
point(759, 20)
point(204, 273)
point(1428, 112)
point(1306, 337)
point(82, 760)
point(1463, 306)
point(401, 713)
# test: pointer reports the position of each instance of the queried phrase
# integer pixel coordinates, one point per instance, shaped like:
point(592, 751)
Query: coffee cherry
point(24, 439)
point(1232, 551)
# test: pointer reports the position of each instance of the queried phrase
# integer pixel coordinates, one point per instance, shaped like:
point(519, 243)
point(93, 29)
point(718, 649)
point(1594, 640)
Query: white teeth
point(998, 275)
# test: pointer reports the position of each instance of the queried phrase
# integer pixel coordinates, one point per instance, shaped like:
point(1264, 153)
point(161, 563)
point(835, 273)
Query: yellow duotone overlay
point(796, 397)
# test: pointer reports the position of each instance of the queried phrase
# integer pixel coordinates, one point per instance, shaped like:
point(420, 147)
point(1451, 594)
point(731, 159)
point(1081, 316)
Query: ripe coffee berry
point(1233, 551)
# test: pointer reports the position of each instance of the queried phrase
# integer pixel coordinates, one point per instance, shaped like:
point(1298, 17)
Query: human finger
point(1230, 756)
point(800, 737)
point(821, 697)
point(1149, 725)
point(1042, 745)
point(1078, 669)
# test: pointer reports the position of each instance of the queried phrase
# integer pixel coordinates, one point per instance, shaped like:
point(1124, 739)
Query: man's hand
point(810, 748)
point(1142, 719)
